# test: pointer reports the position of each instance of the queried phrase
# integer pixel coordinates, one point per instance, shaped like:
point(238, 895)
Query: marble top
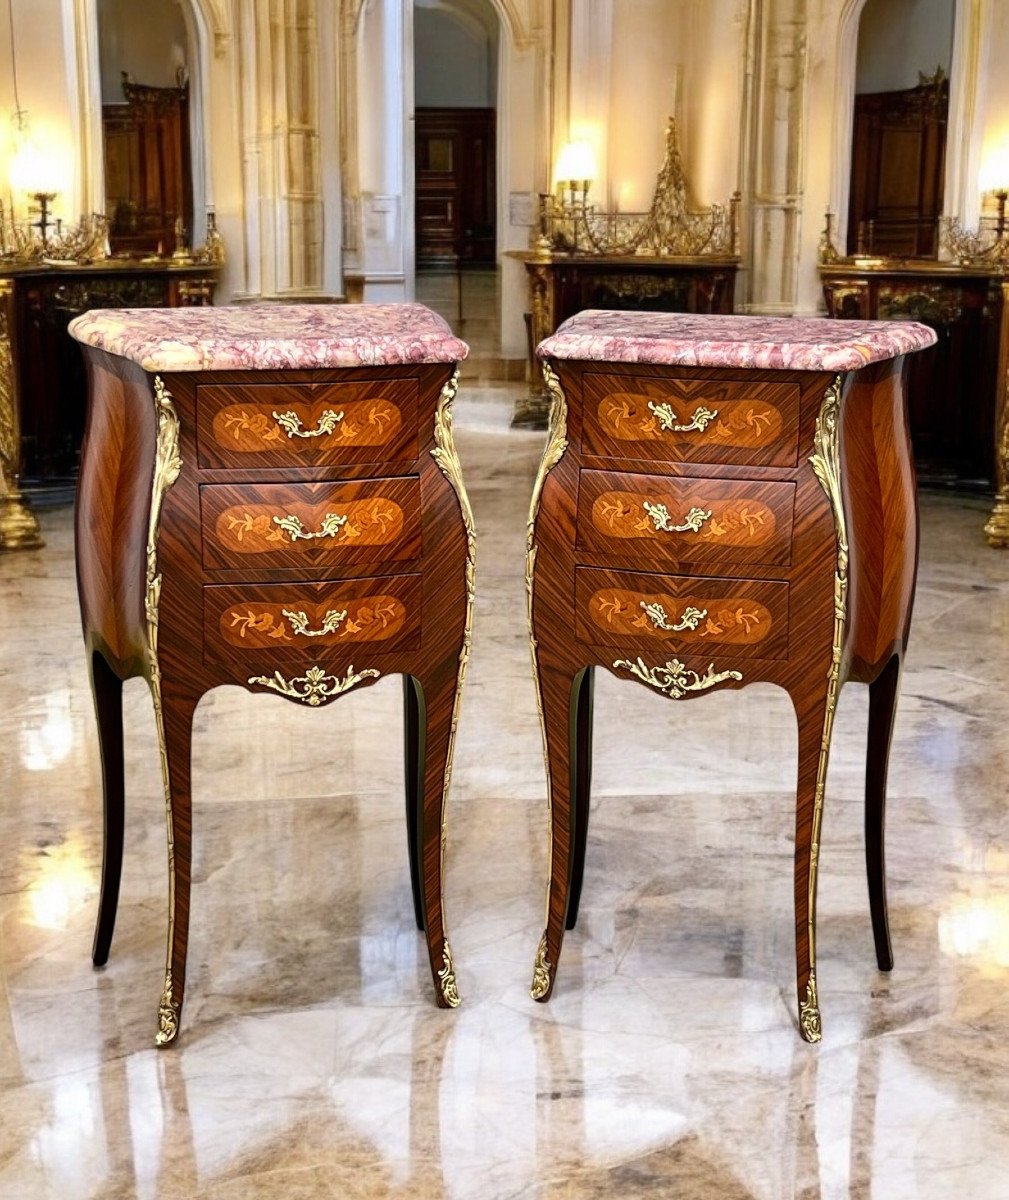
point(271, 337)
point(771, 343)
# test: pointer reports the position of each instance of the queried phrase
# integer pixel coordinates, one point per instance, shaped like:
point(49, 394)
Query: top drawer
point(303, 424)
point(691, 420)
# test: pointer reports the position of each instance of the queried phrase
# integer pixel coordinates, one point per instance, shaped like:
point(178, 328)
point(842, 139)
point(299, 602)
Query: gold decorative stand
point(19, 529)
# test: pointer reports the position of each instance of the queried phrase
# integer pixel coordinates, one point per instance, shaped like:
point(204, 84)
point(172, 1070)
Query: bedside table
point(270, 497)
point(722, 501)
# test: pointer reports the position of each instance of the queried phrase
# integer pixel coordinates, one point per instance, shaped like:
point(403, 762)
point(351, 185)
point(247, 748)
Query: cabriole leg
point(882, 710)
point(581, 788)
point(107, 691)
point(177, 732)
point(413, 700)
point(437, 695)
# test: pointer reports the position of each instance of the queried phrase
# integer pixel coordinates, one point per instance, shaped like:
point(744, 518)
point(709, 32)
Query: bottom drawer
point(683, 613)
point(258, 618)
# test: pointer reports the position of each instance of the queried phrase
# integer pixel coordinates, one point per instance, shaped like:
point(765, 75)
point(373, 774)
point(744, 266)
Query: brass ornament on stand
point(569, 224)
point(19, 529)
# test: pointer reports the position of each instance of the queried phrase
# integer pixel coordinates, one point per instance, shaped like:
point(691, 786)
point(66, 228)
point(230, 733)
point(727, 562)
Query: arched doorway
point(455, 132)
point(899, 127)
point(146, 57)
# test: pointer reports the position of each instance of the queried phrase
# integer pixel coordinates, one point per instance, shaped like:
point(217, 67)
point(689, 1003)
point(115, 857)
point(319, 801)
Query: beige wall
point(295, 143)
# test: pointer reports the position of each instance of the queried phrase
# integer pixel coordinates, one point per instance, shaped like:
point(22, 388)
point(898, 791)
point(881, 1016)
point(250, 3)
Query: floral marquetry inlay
point(260, 626)
point(631, 417)
point(692, 618)
point(304, 427)
point(258, 528)
point(706, 519)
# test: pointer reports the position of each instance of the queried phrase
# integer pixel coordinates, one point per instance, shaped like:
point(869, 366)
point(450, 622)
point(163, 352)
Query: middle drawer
point(268, 525)
point(674, 519)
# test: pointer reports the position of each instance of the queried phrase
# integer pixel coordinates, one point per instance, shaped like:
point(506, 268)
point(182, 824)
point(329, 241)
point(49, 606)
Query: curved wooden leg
point(107, 691)
point(882, 710)
point(581, 789)
point(413, 702)
point(559, 691)
point(437, 698)
point(177, 726)
point(815, 717)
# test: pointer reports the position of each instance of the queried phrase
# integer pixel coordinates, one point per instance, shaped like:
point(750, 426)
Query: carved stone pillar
point(772, 181)
point(280, 147)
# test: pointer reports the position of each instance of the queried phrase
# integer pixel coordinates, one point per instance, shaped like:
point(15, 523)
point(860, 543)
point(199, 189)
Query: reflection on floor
point(470, 300)
point(313, 1063)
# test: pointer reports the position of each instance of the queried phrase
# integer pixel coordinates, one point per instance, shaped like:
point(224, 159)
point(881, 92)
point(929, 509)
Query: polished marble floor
point(312, 1061)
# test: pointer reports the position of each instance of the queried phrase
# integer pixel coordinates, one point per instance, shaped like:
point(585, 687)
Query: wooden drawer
point(691, 420)
point(682, 614)
point(662, 519)
point(315, 618)
point(309, 425)
point(268, 525)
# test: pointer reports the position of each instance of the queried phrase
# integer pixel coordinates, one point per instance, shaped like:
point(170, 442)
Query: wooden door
point(897, 168)
point(148, 170)
point(456, 207)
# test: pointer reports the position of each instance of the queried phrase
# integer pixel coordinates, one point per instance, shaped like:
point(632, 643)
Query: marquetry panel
point(311, 425)
point(685, 520)
point(691, 420)
point(310, 524)
point(311, 617)
point(682, 614)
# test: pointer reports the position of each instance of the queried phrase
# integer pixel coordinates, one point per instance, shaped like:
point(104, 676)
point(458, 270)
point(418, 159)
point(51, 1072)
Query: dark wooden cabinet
point(953, 386)
point(148, 167)
point(897, 167)
point(50, 388)
point(561, 285)
point(456, 217)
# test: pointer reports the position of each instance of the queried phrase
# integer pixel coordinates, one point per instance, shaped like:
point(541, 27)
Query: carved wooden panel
point(689, 520)
point(682, 614)
point(703, 420)
point(310, 524)
point(311, 617)
point(312, 425)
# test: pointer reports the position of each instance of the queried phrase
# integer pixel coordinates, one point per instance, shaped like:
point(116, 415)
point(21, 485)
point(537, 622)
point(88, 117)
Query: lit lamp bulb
point(576, 165)
point(35, 173)
point(994, 179)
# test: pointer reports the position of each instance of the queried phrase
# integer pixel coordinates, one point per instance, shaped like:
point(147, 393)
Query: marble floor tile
point(312, 1062)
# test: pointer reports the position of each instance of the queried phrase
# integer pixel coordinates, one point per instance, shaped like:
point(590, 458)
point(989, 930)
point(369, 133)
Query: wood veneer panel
point(660, 518)
point(735, 421)
point(318, 525)
point(253, 425)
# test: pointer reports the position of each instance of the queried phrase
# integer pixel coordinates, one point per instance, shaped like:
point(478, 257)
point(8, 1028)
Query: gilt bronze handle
point(330, 622)
point(692, 522)
point(690, 619)
point(291, 422)
point(700, 419)
point(331, 525)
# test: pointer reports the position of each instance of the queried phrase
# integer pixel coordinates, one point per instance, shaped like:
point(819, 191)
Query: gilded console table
point(956, 392)
point(561, 285)
point(723, 501)
point(271, 497)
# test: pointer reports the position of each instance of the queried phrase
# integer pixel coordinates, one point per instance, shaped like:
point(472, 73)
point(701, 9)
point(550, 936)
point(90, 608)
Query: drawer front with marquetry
point(691, 420)
point(256, 621)
point(686, 614)
point(656, 517)
point(270, 525)
point(309, 425)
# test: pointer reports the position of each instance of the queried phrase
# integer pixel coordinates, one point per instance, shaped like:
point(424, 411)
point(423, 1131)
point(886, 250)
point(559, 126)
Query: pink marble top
point(271, 337)
point(771, 343)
